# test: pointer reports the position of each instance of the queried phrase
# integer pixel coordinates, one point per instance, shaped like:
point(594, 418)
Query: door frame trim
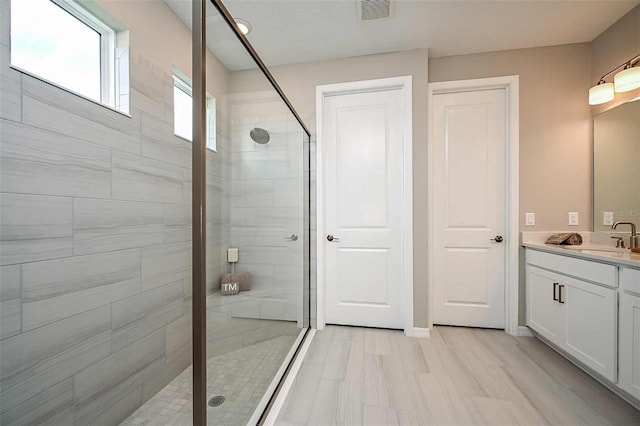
point(511, 273)
point(405, 84)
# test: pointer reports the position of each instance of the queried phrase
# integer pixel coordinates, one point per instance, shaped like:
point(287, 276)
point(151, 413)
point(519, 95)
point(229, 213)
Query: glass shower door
point(255, 233)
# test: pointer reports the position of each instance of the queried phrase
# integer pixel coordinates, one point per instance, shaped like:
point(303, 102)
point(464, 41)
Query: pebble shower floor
point(240, 376)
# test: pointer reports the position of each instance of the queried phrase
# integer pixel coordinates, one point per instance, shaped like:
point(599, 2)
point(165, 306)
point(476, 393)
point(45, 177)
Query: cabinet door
point(630, 344)
point(590, 325)
point(544, 314)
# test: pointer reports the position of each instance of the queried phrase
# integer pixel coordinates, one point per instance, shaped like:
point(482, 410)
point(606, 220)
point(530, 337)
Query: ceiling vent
point(374, 9)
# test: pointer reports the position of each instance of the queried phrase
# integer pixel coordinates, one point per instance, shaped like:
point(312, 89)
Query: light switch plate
point(608, 218)
point(573, 218)
point(530, 219)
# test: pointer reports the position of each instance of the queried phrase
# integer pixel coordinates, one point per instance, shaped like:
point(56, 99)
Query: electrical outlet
point(530, 219)
point(608, 218)
point(573, 218)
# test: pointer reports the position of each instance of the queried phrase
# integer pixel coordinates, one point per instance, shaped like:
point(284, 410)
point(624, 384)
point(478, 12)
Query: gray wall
point(95, 236)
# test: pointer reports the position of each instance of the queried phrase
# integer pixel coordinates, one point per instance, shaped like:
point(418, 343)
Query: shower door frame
point(199, 328)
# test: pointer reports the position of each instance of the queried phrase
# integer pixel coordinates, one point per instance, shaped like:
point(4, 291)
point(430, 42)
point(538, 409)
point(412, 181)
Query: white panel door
point(469, 189)
point(362, 169)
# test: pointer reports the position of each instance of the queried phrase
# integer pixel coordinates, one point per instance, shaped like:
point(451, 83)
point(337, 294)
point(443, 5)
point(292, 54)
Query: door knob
point(331, 238)
point(497, 239)
point(293, 237)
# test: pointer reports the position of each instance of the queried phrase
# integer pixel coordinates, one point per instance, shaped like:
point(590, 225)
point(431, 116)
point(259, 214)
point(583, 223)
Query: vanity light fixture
point(627, 79)
point(624, 81)
point(243, 26)
point(601, 93)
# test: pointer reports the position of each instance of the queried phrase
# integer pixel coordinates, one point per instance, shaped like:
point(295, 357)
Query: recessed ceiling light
point(243, 26)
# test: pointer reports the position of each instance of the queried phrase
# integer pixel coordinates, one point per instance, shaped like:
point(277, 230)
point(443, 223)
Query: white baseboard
point(524, 331)
point(272, 416)
point(418, 332)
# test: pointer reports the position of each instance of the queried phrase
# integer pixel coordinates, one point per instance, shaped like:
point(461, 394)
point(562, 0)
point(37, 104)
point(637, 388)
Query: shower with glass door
point(154, 240)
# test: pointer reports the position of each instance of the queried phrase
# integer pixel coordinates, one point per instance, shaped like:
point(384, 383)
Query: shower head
point(259, 135)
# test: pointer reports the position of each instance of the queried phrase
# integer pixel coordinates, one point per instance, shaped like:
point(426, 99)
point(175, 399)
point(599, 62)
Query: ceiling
point(295, 31)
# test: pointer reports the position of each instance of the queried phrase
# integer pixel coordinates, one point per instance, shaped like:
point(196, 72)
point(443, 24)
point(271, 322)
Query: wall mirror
point(616, 166)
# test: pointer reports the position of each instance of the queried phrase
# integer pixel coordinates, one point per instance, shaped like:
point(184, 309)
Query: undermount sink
point(593, 249)
point(614, 252)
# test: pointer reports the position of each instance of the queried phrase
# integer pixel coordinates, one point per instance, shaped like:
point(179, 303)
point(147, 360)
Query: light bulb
point(243, 26)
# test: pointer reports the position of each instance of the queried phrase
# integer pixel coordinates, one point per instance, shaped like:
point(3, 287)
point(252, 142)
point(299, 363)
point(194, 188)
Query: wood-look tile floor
point(459, 376)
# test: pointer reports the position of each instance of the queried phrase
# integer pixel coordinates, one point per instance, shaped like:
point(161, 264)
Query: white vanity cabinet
point(630, 331)
point(573, 304)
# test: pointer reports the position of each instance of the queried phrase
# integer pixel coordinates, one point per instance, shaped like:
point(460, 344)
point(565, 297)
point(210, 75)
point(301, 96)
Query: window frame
point(211, 139)
point(107, 54)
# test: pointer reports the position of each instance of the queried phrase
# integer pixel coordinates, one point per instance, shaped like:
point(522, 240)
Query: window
point(182, 109)
point(183, 113)
point(63, 43)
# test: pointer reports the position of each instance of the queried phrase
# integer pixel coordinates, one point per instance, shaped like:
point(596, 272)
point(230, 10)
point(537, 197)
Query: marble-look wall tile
point(38, 359)
point(34, 161)
point(34, 227)
point(260, 165)
point(138, 178)
point(177, 220)
point(164, 264)
point(252, 193)
point(118, 411)
point(104, 119)
point(151, 87)
point(107, 225)
point(178, 341)
point(243, 216)
point(147, 78)
point(57, 289)
point(275, 217)
point(10, 301)
point(264, 255)
point(171, 369)
point(159, 142)
point(187, 186)
point(44, 115)
point(137, 316)
point(5, 24)
point(288, 192)
point(11, 83)
point(104, 383)
point(53, 406)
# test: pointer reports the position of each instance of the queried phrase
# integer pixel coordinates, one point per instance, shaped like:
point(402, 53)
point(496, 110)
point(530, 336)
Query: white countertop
point(590, 251)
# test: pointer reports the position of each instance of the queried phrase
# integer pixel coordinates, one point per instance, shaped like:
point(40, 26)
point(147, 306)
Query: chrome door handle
point(293, 237)
point(497, 239)
point(333, 239)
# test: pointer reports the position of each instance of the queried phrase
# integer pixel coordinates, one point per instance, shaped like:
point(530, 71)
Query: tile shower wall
point(266, 205)
point(95, 274)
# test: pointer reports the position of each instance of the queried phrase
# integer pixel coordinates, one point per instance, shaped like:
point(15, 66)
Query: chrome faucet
point(633, 239)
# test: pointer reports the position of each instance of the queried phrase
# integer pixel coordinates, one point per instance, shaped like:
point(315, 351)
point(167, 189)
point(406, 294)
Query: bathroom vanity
point(584, 301)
